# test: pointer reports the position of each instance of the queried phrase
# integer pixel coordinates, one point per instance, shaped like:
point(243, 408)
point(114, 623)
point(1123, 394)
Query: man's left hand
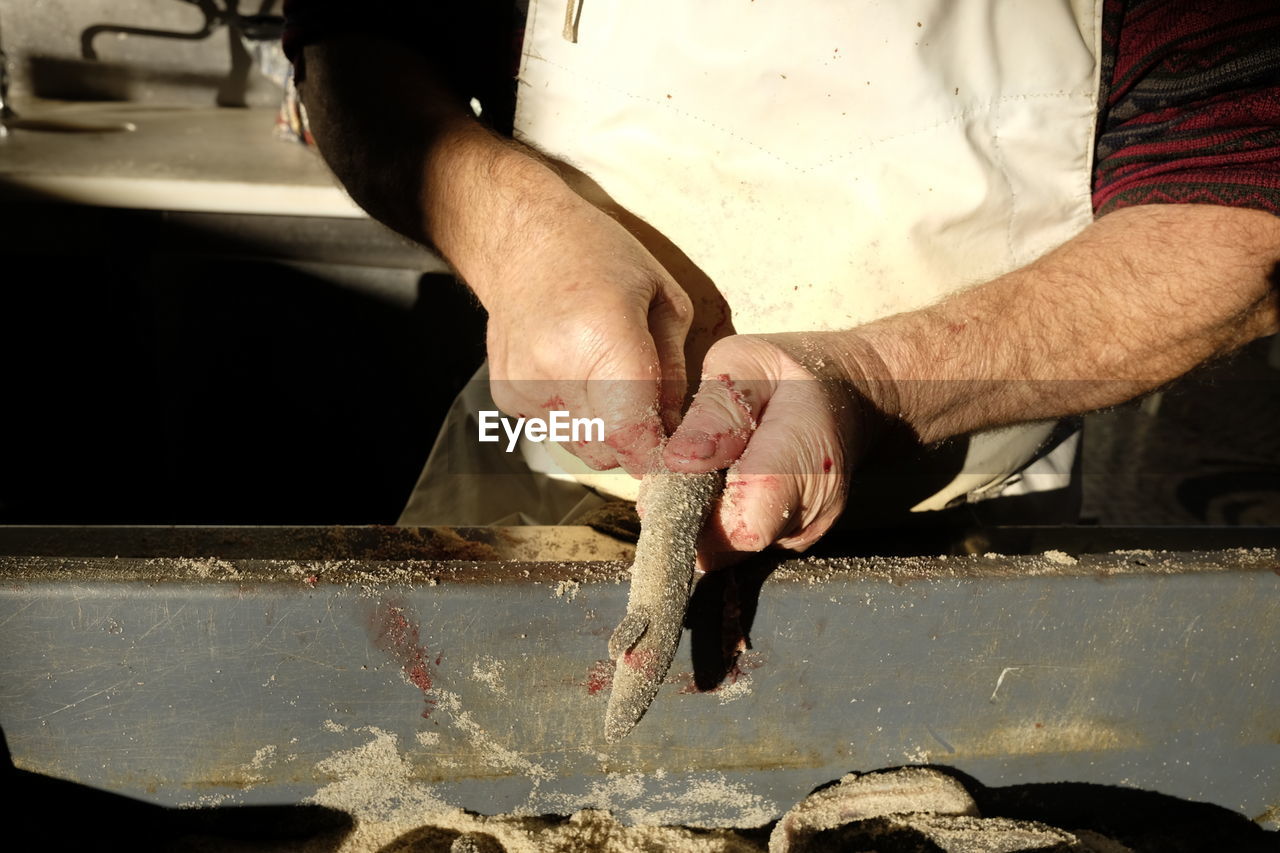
point(783, 413)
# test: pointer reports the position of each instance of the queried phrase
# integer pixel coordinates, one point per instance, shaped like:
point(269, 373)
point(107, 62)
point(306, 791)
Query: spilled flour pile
point(904, 809)
point(373, 783)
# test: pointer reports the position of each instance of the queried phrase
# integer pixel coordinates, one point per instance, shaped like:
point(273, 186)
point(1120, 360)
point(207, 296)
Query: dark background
point(156, 371)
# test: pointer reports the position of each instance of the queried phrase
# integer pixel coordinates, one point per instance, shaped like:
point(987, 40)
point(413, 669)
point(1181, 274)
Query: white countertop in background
point(213, 159)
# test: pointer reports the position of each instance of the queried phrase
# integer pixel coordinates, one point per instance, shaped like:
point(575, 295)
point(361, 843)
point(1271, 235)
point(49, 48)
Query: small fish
point(644, 643)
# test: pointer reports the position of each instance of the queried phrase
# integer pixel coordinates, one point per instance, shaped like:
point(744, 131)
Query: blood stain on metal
point(743, 664)
point(396, 632)
point(599, 677)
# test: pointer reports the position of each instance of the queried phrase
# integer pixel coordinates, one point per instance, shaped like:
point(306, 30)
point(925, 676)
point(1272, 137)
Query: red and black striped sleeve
point(1189, 104)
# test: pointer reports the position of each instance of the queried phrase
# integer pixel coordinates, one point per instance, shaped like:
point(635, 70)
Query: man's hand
point(1139, 298)
point(790, 415)
point(581, 317)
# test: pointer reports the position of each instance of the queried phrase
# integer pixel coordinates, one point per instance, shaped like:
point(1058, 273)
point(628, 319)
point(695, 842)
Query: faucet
point(257, 27)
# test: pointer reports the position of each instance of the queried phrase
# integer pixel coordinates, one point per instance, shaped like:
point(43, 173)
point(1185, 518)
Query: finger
point(588, 446)
point(628, 406)
point(636, 444)
point(530, 398)
point(594, 454)
point(717, 427)
point(669, 319)
point(638, 413)
point(724, 412)
point(788, 487)
point(752, 514)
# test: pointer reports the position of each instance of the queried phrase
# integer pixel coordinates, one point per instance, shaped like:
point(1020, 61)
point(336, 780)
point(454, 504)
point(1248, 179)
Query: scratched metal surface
point(483, 685)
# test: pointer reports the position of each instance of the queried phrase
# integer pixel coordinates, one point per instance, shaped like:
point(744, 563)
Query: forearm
point(409, 151)
point(1139, 298)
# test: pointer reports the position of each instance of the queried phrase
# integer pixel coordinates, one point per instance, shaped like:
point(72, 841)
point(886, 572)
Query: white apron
point(827, 162)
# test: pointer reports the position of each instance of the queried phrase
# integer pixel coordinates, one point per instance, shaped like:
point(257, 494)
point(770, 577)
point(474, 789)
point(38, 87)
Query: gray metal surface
point(381, 688)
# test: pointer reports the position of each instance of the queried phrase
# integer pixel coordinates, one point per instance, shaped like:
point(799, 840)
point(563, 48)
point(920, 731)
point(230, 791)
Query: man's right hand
point(583, 319)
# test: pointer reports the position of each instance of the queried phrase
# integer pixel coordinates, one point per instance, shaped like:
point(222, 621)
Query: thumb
point(723, 414)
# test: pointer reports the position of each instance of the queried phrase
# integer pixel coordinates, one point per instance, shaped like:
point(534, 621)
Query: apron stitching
point(998, 161)
point(992, 105)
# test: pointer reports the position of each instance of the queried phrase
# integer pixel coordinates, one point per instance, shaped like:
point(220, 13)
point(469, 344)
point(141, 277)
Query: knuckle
point(505, 396)
point(736, 352)
point(595, 459)
point(681, 305)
